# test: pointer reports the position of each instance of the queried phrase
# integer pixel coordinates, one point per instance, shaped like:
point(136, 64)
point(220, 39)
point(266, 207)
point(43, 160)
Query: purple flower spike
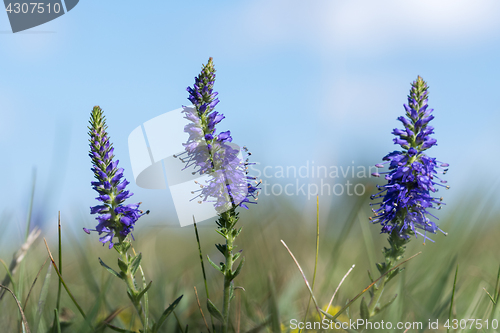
point(412, 176)
point(115, 219)
point(229, 185)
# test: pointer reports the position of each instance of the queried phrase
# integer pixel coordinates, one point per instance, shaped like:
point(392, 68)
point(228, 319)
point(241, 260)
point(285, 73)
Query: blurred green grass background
point(269, 277)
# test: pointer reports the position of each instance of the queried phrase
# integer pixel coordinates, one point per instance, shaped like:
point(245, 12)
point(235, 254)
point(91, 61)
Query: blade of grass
point(18, 258)
point(178, 322)
point(439, 287)
point(58, 303)
point(166, 313)
point(203, 268)
point(8, 277)
point(66, 287)
point(315, 259)
point(497, 286)
point(33, 284)
point(43, 298)
point(273, 305)
point(452, 297)
point(26, 238)
point(489, 295)
point(25, 322)
point(366, 289)
point(201, 311)
point(496, 292)
point(30, 208)
point(338, 287)
point(342, 236)
point(101, 299)
point(303, 276)
point(57, 324)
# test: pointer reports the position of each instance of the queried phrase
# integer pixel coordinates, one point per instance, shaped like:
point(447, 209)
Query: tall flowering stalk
point(412, 179)
point(116, 220)
point(229, 186)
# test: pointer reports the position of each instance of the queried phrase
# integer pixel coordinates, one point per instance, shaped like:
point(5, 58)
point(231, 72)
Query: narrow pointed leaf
point(57, 324)
point(237, 271)
point(453, 296)
point(491, 298)
point(214, 311)
point(388, 303)
point(166, 313)
point(214, 264)
point(122, 265)
point(144, 291)
point(363, 309)
point(135, 263)
point(109, 269)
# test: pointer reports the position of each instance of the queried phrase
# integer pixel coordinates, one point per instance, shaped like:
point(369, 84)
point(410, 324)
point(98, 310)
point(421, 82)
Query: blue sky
point(299, 81)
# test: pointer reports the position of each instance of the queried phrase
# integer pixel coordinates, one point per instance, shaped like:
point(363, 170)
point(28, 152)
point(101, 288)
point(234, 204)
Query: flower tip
point(375, 174)
point(86, 230)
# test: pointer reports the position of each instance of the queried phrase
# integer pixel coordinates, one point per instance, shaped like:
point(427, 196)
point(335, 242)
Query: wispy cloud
point(377, 26)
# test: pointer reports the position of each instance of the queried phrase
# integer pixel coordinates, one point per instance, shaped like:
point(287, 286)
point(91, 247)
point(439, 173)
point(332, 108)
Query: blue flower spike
point(229, 186)
point(211, 153)
point(115, 219)
point(409, 195)
point(413, 177)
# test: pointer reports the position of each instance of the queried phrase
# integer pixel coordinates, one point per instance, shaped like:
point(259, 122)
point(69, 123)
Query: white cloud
point(372, 25)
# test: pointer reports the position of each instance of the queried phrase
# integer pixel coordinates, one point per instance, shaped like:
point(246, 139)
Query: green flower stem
point(377, 294)
point(230, 234)
point(392, 255)
point(129, 279)
point(227, 280)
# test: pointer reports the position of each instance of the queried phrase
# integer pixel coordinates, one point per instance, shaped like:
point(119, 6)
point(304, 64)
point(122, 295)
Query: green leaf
point(109, 269)
point(43, 297)
point(273, 308)
point(57, 324)
point(135, 263)
point(392, 275)
point(453, 295)
point(221, 248)
point(491, 297)
point(363, 309)
point(388, 303)
point(166, 313)
point(380, 267)
point(214, 264)
point(123, 266)
point(238, 269)
point(130, 295)
point(214, 311)
point(144, 291)
point(370, 276)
